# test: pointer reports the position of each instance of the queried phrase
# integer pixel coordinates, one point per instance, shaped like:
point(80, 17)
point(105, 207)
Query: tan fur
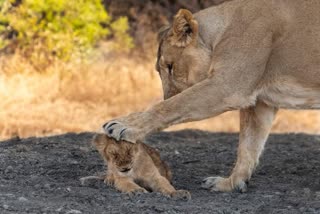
point(136, 167)
point(250, 55)
point(184, 29)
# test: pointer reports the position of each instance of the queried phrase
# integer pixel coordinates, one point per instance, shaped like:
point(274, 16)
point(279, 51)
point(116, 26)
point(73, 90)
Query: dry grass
point(80, 97)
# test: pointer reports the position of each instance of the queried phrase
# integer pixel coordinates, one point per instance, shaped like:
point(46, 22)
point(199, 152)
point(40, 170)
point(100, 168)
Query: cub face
point(119, 154)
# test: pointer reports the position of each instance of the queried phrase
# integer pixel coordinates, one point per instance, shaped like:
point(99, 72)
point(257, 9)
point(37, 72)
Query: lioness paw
point(181, 195)
point(133, 127)
point(223, 185)
point(120, 131)
point(115, 129)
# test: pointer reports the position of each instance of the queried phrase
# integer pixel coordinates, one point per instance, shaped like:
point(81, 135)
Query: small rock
point(176, 152)
point(307, 191)
point(85, 149)
point(48, 186)
point(159, 209)
point(302, 209)
point(22, 148)
point(59, 209)
point(311, 210)
point(74, 212)
point(5, 206)
point(227, 199)
point(8, 170)
point(318, 195)
point(22, 199)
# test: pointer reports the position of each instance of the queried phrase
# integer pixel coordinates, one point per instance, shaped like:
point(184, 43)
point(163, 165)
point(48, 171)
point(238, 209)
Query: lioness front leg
point(255, 125)
point(189, 105)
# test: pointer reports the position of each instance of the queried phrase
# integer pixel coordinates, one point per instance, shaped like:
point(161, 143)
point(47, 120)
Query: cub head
point(120, 154)
point(183, 59)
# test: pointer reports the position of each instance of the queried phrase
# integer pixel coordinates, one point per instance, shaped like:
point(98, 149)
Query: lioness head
point(183, 59)
point(120, 154)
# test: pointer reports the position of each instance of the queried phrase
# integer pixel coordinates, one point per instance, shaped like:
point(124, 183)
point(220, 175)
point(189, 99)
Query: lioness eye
point(170, 67)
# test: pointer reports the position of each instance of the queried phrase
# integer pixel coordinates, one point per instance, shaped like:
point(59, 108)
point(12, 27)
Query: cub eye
point(125, 170)
point(170, 68)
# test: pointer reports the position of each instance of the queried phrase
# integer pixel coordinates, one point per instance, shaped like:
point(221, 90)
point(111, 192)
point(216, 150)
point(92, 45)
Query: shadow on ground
point(41, 175)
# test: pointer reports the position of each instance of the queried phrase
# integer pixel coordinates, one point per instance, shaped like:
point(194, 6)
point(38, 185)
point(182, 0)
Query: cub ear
point(184, 28)
point(112, 151)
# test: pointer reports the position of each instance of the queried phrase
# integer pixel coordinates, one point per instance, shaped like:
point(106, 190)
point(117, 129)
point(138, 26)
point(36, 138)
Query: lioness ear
point(184, 28)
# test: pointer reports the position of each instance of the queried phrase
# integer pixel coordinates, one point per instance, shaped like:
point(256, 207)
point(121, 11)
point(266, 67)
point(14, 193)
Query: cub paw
point(135, 192)
point(181, 195)
point(109, 181)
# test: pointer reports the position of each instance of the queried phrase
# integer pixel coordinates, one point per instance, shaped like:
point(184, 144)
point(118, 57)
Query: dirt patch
point(41, 175)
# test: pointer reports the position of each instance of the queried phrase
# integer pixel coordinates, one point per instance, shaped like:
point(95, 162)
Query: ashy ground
point(41, 175)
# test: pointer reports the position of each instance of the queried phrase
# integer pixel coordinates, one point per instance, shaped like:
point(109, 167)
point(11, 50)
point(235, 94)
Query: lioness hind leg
point(255, 125)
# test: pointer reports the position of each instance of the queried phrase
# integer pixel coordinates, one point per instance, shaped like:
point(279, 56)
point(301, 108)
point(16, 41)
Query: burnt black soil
point(41, 175)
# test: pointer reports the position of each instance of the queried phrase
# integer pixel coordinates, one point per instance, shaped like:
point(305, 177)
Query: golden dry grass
point(78, 97)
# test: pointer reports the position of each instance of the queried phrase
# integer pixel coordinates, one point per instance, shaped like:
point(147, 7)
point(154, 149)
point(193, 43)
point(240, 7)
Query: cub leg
point(162, 185)
point(109, 179)
point(255, 125)
point(127, 185)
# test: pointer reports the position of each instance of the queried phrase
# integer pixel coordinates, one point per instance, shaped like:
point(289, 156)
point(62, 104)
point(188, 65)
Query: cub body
point(136, 168)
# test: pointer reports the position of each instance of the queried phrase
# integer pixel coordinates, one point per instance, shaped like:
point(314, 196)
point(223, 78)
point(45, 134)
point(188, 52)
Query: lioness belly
point(291, 96)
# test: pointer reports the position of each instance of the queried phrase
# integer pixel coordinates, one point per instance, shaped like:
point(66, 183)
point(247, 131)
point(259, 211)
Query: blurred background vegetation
point(71, 65)
point(46, 30)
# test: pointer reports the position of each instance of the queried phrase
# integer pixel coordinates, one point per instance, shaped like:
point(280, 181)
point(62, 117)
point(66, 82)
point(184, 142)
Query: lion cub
point(136, 168)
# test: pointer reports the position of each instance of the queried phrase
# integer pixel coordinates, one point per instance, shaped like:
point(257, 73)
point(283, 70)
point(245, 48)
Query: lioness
point(255, 56)
point(136, 168)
